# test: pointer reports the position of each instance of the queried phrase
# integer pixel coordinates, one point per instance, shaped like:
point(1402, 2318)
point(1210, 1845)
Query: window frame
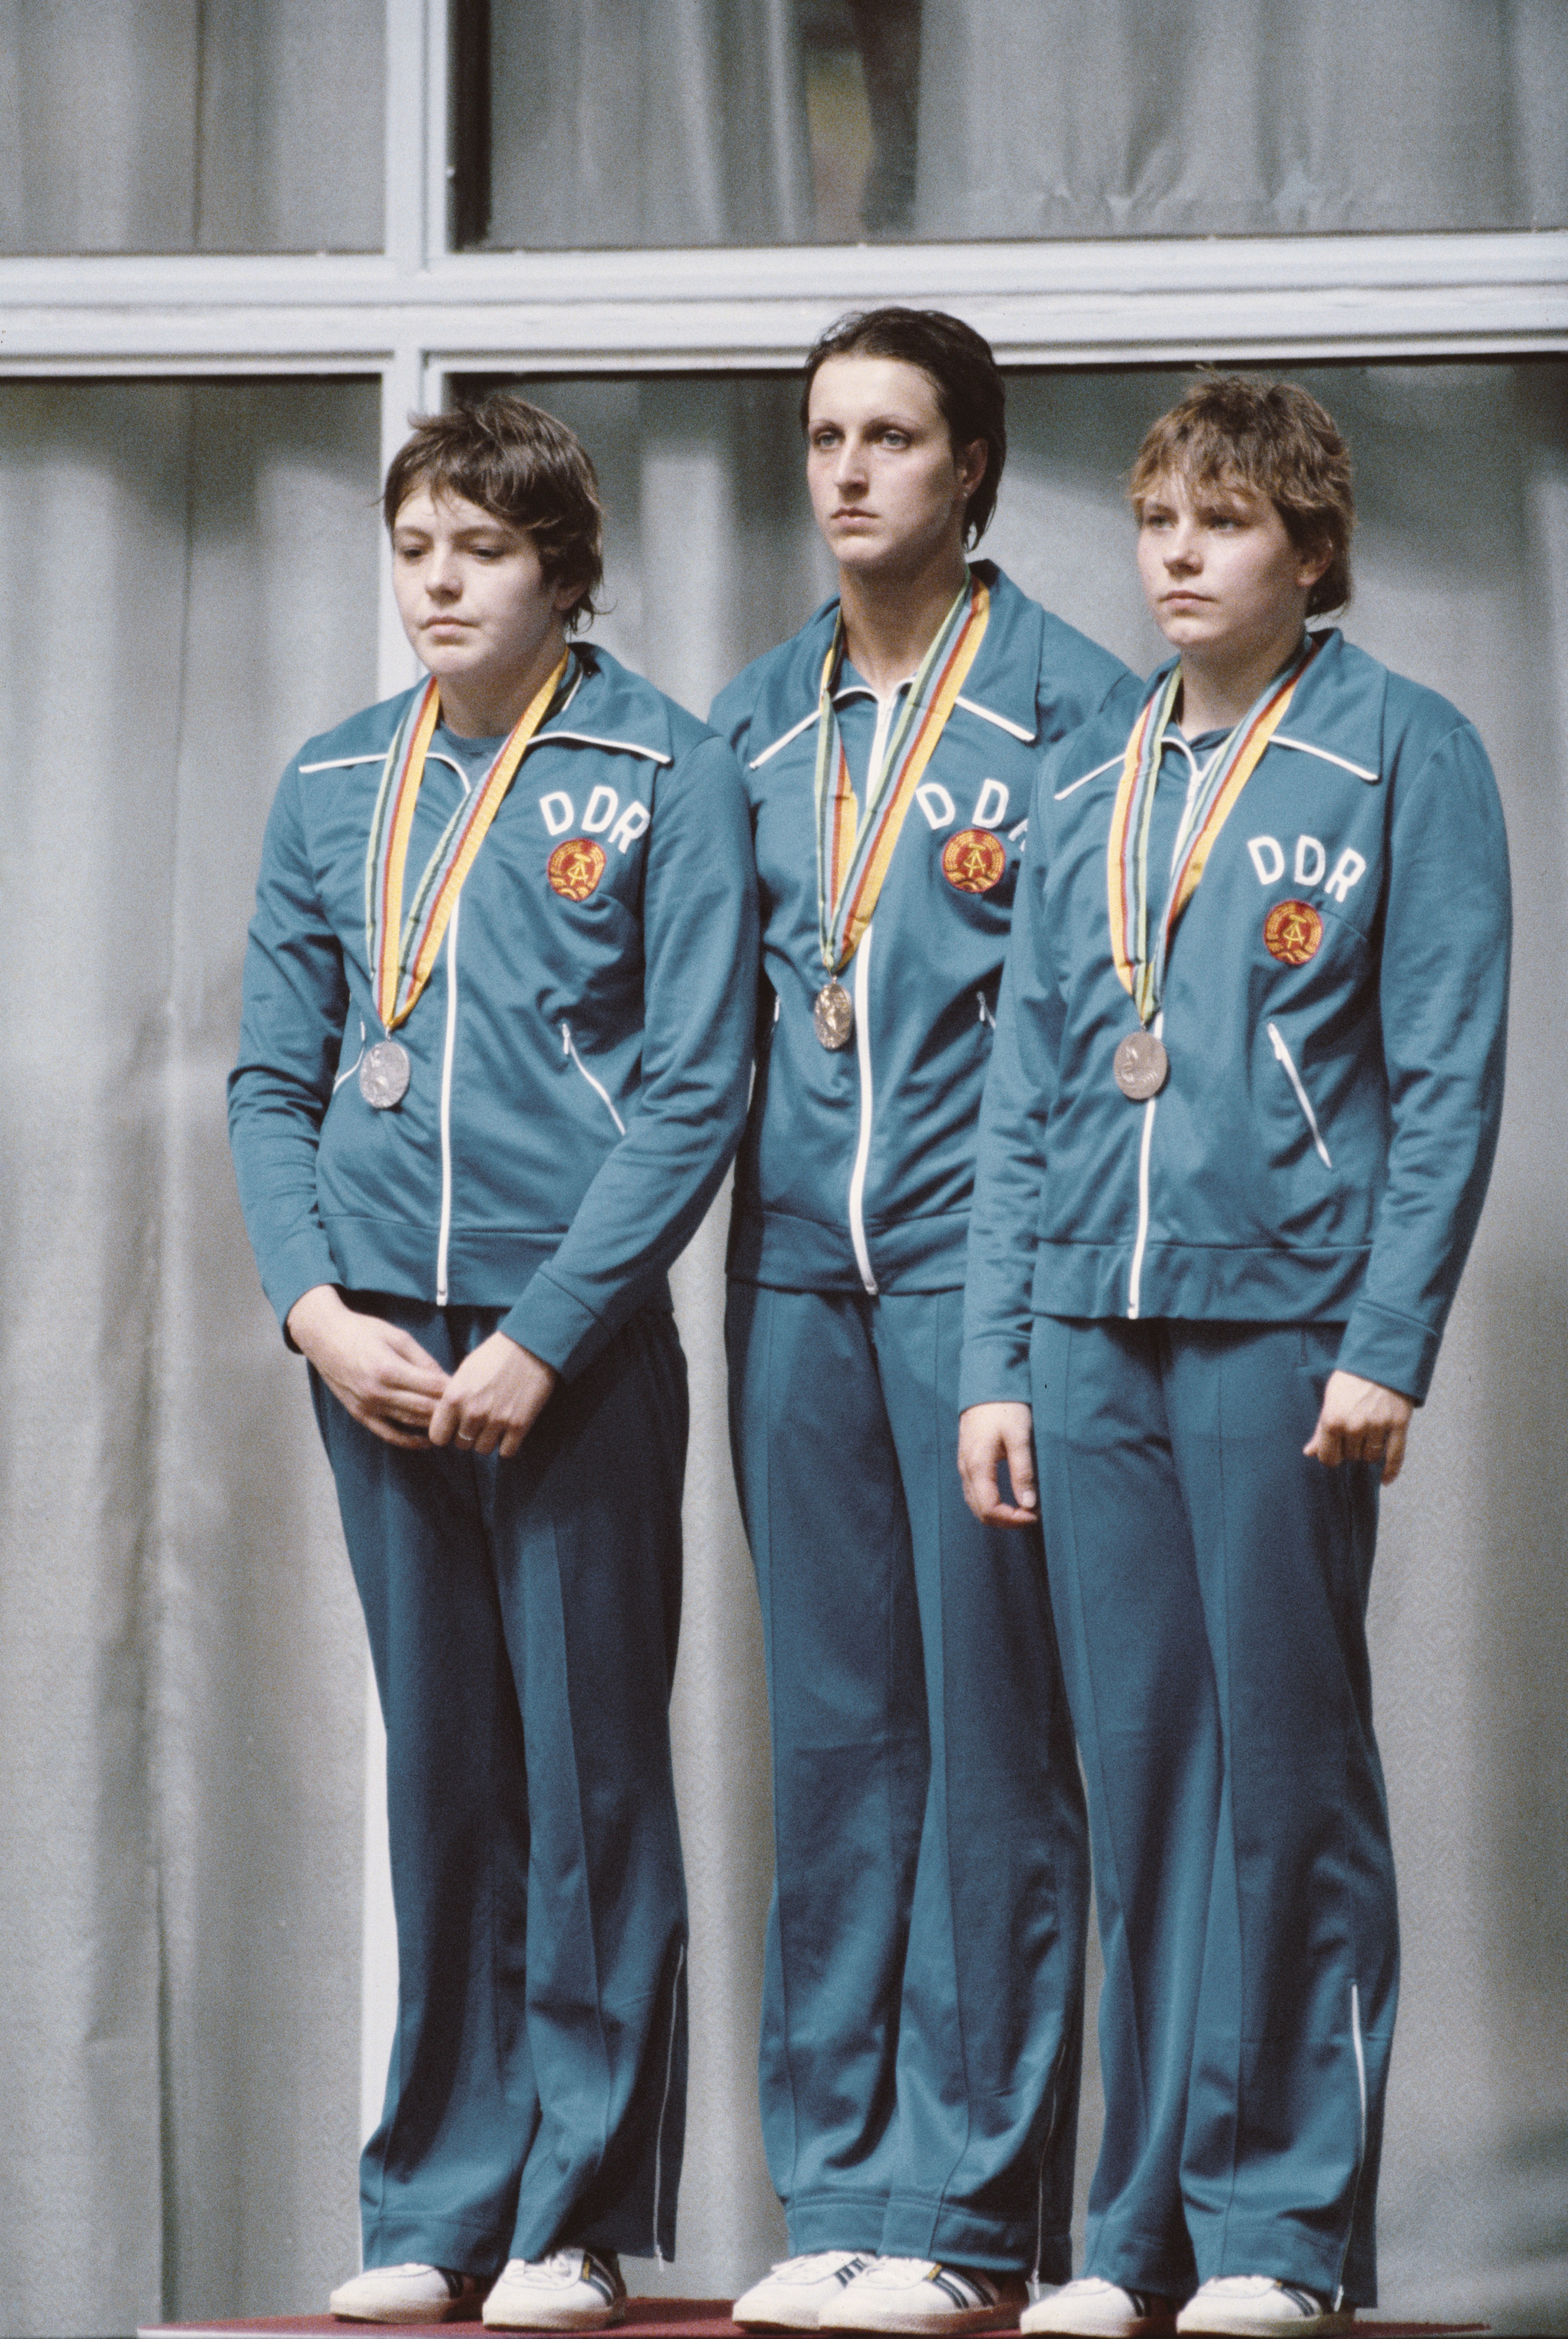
point(417, 312)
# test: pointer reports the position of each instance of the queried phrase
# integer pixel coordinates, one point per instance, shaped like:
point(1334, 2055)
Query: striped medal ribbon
point(853, 853)
point(401, 947)
point(1141, 1064)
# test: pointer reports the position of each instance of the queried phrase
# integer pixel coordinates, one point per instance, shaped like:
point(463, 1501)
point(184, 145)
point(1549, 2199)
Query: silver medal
point(385, 1072)
point(1140, 1066)
point(832, 1013)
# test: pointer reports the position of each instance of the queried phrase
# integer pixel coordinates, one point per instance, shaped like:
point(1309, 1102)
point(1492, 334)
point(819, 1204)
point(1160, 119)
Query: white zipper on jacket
point(568, 1048)
point(1302, 1099)
point(1141, 1242)
point(445, 1236)
point(886, 709)
point(1195, 775)
point(862, 1148)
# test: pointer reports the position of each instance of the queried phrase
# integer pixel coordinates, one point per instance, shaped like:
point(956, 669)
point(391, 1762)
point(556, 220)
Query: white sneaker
point(1256, 2306)
point(571, 2290)
point(791, 2296)
point(1102, 2310)
point(406, 2294)
point(917, 2294)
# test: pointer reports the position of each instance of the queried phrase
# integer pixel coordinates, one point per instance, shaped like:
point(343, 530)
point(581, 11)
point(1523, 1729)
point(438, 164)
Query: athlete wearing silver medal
point(921, 1993)
point(1214, 1316)
point(493, 1061)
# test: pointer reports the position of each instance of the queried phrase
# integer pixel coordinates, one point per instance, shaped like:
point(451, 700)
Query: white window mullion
point(416, 31)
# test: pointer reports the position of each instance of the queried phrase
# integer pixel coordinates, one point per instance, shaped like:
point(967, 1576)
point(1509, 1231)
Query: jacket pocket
point(1302, 1099)
point(568, 1048)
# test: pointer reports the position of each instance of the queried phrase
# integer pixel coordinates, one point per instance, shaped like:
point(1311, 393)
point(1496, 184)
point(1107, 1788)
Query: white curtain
point(672, 122)
point(191, 125)
point(188, 589)
point(1201, 117)
point(685, 120)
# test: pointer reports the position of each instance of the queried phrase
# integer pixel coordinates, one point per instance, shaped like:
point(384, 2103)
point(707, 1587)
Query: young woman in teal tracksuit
point(493, 1062)
point(920, 2029)
point(1236, 1137)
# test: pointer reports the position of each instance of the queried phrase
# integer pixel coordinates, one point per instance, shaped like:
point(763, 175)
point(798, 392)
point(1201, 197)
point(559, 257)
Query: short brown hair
point(959, 364)
point(1274, 439)
point(521, 466)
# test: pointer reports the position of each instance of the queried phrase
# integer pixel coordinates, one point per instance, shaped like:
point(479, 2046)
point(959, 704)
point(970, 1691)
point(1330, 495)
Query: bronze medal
point(385, 1072)
point(1141, 1066)
point(832, 1013)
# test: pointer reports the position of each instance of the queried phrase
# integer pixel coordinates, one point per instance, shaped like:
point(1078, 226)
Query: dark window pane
point(736, 122)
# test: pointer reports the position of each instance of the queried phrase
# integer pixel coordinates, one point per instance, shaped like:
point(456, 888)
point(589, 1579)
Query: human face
point(1221, 577)
point(476, 607)
point(887, 486)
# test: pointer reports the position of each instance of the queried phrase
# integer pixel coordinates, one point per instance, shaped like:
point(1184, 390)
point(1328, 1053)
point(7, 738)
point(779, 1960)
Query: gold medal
point(832, 1013)
point(1140, 1066)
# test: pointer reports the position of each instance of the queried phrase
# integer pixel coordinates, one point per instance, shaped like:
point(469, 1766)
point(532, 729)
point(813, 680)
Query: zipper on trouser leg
point(1361, 2151)
point(665, 2102)
point(862, 1148)
point(444, 1238)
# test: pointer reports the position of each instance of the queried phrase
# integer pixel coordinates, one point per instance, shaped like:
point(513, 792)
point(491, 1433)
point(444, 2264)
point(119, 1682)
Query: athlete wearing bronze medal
point(1200, 1315)
point(922, 1994)
point(493, 1062)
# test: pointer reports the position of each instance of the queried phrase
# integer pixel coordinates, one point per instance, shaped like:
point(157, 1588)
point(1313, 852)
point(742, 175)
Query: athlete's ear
point(971, 462)
point(1311, 564)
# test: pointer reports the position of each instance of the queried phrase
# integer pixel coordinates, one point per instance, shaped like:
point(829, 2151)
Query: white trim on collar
point(1002, 722)
point(1305, 747)
point(1073, 786)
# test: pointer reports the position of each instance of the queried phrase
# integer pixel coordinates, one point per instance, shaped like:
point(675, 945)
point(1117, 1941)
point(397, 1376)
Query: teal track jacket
point(858, 1166)
point(1321, 1149)
point(579, 1066)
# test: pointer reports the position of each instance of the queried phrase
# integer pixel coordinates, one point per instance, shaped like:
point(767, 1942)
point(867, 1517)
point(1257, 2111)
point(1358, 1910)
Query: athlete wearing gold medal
point(1236, 1137)
point(493, 1062)
point(922, 1995)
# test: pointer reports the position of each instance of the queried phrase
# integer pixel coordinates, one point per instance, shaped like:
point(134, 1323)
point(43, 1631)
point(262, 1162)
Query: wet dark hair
point(958, 363)
point(1274, 439)
point(521, 466)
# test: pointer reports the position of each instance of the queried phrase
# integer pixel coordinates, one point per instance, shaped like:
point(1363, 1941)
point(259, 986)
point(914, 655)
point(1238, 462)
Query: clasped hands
point(1359, 1421)
point(396, 1389)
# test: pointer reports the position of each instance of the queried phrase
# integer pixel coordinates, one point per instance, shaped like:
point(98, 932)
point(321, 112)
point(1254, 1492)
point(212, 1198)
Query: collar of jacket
point(611, 707)
point(1000, 684)
point(1337, 710)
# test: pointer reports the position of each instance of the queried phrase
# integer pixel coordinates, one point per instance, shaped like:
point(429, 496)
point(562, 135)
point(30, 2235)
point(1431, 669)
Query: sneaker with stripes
point(571, 2290)
point(919, 2294)
point(794, 2295)
point(414, 2292)
point(1093, 2308)
point(1256, 2306)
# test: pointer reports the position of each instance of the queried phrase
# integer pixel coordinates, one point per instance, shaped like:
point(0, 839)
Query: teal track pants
point(523, 1618)
point(1210, 1587)
point(922, 1991)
